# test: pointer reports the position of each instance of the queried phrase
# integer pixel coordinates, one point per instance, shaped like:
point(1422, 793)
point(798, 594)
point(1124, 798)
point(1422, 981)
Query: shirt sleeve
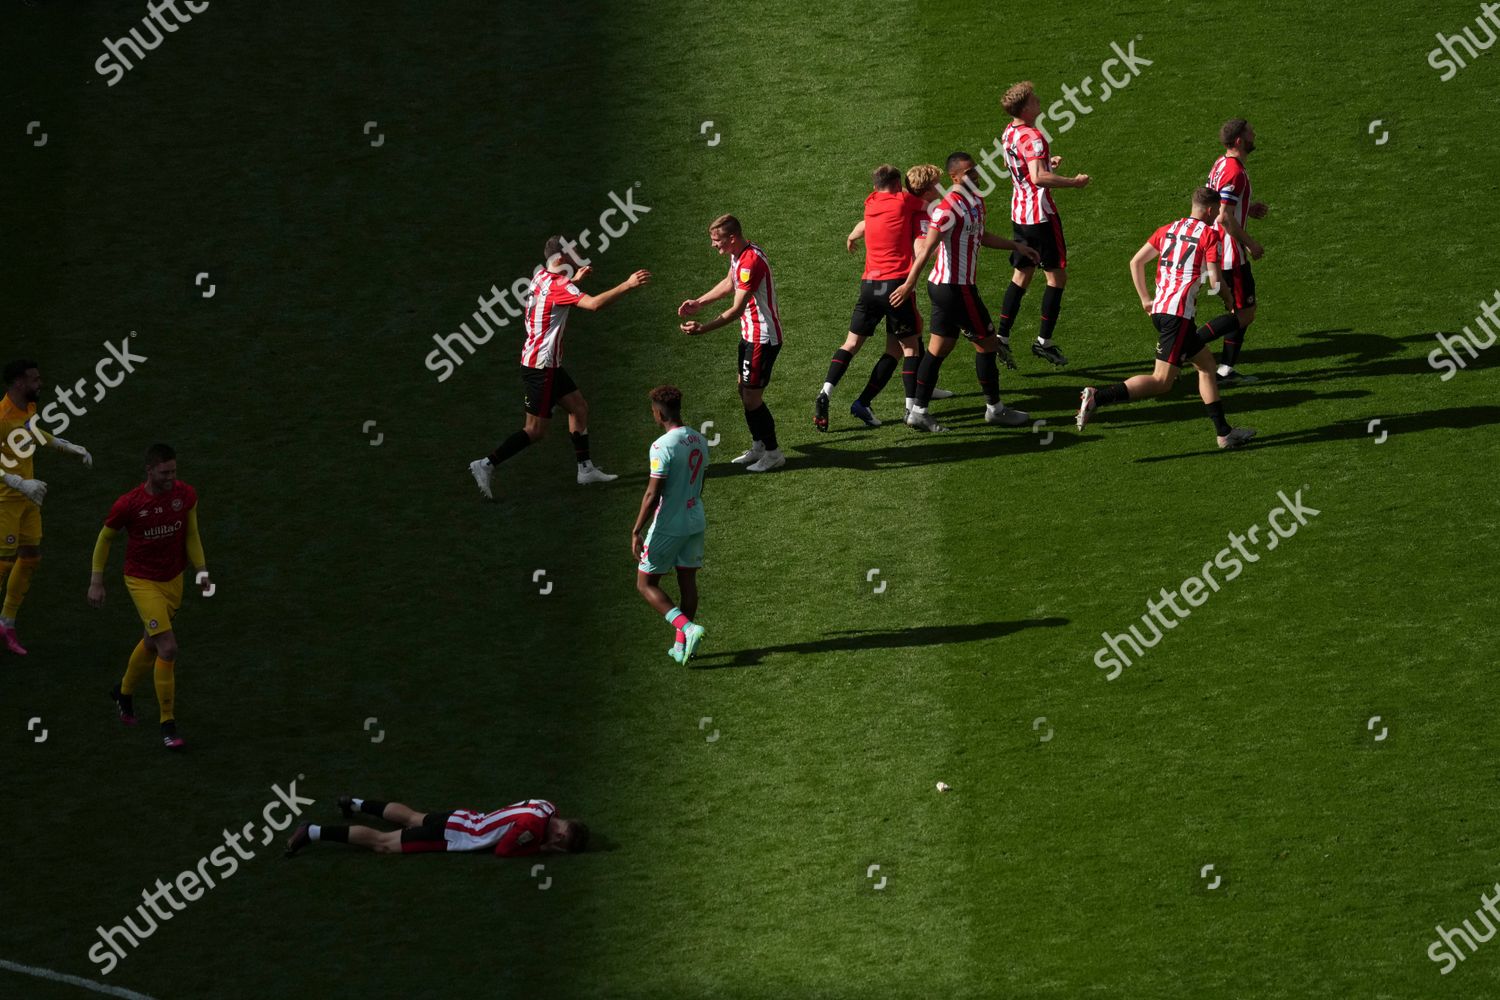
point(1232, 186)
point(942, 217)
point(1032, 147)
point(566, 293)
point(1212, 246)
point(119, 515)
point(748, 273)
point(1158, 238)
point(661, 461)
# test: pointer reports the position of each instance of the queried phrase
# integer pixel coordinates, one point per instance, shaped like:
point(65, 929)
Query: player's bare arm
point(1138, 264)
point(1230, 221)
point(649, 503)
point(1257, 210)
point(989, 239)
point(855, 235)
point(1215, 278)
point(715, 293)
point(925, 249)
point(594, 303)
point(741, 297)
point(1045, 177)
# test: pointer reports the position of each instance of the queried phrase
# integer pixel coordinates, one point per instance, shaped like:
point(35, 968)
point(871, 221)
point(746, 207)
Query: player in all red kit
point(531, 826)
point(1189, 250)
point(554, 291)
point(750, 281)
point(1033, 213)
point(894, 220)
point(1229, 178)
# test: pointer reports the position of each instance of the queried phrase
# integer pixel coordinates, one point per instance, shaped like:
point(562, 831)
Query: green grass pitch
point(360, 581)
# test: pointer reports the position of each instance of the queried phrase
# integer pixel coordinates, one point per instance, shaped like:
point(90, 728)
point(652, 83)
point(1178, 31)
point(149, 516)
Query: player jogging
point(673, 504)
point(1034, 214)
point(890, 228)
point(553, 292)
point(760, 334)
point(1188, 249)
point(1229, 178)
point(956, 233)
point(531, 826)
point(21, 495)
point(160, 520)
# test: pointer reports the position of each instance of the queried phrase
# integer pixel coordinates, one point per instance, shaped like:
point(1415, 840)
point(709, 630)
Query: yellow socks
point(141, 659)
point(19, 584)
point(166, 687)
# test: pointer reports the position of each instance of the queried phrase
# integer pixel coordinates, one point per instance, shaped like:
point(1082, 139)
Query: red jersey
point(1187, 247)
point(759, 323)
point(156, 528)
point(1023, 144)
point(1228, 177)
point(892, 223)
point(960, 219)
point(550, 296)
point(516, 831)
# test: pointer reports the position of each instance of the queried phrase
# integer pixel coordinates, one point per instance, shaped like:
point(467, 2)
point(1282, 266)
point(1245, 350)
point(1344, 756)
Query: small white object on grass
point(943, 786)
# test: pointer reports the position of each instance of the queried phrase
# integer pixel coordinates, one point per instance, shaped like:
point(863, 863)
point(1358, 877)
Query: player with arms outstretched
point(955, 234)
point(1188, 251)
point(520, 830)
point(760, 334)
point(160, 520)
point(1230, 179)
point(1033, 175)
point(673, 506)
point(21, 495)
point(554, 291)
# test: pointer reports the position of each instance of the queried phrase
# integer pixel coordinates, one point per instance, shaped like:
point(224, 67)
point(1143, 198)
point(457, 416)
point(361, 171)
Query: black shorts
point(756, 362)
point(429, 836)
point(874, 305)
point(1177, 340)
point(1241, 282)
point(959, 309)
point(544, 387)
point(1046, 238)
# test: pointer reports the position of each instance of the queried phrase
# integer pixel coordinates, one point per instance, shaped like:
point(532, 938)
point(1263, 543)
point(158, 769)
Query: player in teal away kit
point(673, 505)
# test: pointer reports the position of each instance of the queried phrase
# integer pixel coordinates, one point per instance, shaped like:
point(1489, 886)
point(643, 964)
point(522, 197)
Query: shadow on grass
point(858, 639)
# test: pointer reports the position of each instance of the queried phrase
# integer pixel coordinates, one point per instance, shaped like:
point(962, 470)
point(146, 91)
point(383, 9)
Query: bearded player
point(21, 495)
point(1188, 250)
point(1230, 179)
point(673, 504)
point(160, 521)
point(524, 828)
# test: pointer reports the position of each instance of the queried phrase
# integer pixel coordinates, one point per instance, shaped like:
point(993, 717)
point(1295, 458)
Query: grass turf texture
point(358, 581)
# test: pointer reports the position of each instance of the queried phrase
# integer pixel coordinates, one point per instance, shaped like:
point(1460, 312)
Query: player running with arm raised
point(1188, 250)
point(554, 291)
point(760, 334)
point(21, 494)
point(956, 233)
point(672, 507)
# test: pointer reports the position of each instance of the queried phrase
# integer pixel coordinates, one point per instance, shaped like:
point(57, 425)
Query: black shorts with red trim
point(756, 362)
point(431, 835)
point(1046, 238)
point(874, 305)
point(544, 387)
point(1241, 281)
point(1177, 340)
point(959, 309)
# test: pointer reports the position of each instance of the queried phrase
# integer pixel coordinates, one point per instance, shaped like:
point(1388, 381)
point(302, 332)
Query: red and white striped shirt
point(1228, 177)
point(1187, 247)
point(759, 323)
point(518, 829)
point(1029, 204)
point(959, 216)
point(549, 298)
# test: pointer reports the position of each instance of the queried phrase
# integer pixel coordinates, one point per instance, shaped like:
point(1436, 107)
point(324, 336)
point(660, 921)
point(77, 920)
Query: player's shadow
point(852, 640)
point(1184, 404)
point(967, 437)
point(1453, 418)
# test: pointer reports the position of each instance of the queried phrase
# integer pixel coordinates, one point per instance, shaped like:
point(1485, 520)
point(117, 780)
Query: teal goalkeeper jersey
point(679, 458)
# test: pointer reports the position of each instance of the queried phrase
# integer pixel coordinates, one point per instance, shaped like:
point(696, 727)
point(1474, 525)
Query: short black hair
point(886, 178)
point(1230, 131)
point(1205, 197)
point(159, 453)
point(954, 159)
point(16, 369)
point(578, 837)
point(554, 248)
point(668, 399)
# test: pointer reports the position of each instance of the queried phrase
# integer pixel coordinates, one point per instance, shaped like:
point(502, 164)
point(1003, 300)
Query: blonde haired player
point(20, 494)
point(160, 520)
